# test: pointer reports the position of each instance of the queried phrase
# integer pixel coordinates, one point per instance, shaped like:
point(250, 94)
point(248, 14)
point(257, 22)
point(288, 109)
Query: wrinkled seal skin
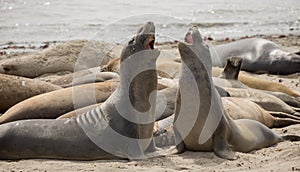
point(240, 135)
point(66, 139)
point(14, 89)
point(259, 55)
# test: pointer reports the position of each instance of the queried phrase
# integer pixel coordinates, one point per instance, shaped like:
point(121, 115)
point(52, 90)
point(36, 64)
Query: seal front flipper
point(221, 146)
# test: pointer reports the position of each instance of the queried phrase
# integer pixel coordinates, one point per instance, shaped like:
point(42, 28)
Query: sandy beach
point(284, 156)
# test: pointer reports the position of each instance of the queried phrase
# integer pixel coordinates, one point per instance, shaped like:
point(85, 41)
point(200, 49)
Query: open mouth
point(189, 38)
point(150, 43)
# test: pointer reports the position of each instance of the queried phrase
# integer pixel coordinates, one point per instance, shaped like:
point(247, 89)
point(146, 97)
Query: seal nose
point(5, 68)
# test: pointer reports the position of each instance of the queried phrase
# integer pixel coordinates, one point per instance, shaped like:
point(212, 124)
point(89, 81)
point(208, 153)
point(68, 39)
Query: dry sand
point(284, 156)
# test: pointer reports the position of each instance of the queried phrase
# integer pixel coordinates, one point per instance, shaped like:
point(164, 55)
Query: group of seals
point(14, 89)
point(69, 139)
point(122, 125)
point(213, 129)
point(56, 103)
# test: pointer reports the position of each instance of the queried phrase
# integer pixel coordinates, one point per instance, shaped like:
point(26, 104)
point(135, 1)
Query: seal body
point(62, 57)
point(238, 108)
point(53, 104)
point(105, 132)
point(15, 89)
point(207, 127)
point(259, 55)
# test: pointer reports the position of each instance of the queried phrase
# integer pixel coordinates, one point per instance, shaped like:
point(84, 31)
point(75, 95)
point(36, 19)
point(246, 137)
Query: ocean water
point(34, 21)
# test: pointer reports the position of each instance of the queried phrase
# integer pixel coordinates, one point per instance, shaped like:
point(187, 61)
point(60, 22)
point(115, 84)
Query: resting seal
point(56, 103)
point(60, 58)
point(238, 108)
point(213, 130)
point(14, 89)
point(259, 55)
point(52, 138)
point(90, 75)
point(257, 83)
point(229, 78)
point(166, 67)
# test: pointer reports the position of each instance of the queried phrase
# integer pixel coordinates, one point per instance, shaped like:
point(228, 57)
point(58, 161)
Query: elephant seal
point(115, 136)
point(56, 103)
point(14, 89)
point(266, 101)
point(259, 55)
point(60, 58)
point(165, 105)
point(85, 76)
point(257, 83)
point(229, 78)
point(239, 108)
point(76, 112)
point(166, 67)
point(212, 130)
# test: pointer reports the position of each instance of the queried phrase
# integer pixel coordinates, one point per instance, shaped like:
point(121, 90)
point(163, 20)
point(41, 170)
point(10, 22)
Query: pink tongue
point(189, 38)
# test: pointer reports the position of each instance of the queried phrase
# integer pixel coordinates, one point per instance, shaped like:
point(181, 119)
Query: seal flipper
point(297, 110)
point(283, 122)
point(232, 68)
point(221, 146)
point(283, 115)
point(292, 138)
point(298, 53)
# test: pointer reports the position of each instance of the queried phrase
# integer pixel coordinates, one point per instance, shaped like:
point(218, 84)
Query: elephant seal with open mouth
point(109, 131)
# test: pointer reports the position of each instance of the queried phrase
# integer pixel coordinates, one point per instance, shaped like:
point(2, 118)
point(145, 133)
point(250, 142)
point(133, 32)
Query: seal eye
point(150, 43)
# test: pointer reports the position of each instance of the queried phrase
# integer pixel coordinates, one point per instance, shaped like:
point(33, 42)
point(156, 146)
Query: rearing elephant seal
point(73, 138)
point(213, 130)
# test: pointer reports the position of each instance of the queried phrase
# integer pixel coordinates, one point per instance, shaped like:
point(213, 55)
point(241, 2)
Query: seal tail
point(292, 138)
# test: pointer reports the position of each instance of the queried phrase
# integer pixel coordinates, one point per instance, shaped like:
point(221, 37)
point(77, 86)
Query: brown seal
point(14, 89)
point(61, 57)
point(56, 103)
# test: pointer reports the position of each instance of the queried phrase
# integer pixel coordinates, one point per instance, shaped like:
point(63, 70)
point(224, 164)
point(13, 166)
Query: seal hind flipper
point(297, 110)
point(292, 138)
point(283, 115)
point(283, 122)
